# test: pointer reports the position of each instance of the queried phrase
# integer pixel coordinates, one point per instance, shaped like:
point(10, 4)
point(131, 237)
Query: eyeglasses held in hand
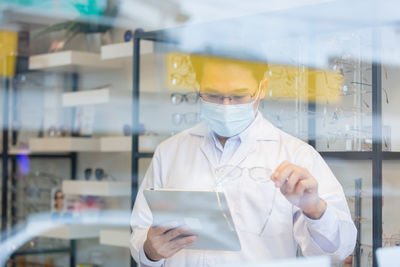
point(230, 173)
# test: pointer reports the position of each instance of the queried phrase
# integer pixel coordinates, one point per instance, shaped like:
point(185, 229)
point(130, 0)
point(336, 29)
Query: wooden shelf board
point(96, 188)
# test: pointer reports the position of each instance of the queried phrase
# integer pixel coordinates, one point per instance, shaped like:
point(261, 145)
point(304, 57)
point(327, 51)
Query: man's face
point(229, 80)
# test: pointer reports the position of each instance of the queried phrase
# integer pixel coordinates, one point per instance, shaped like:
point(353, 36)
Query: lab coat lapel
point(208, 151)
point(207, 145)
point(246, 148)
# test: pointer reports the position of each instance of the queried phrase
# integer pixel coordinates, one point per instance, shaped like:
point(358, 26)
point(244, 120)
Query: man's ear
point(263, 85)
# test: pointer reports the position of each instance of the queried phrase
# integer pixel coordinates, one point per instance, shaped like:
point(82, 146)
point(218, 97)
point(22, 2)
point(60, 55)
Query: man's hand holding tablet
point(163, 241)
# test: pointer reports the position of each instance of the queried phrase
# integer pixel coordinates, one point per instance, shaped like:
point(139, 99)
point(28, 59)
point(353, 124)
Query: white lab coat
point(188, 160)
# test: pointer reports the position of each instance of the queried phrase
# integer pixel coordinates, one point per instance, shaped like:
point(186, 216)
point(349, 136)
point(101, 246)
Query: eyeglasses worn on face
point(239, 98)
point(178, 98)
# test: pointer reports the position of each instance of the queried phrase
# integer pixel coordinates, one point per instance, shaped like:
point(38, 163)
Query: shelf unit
point(70, 63)
point(12, 153)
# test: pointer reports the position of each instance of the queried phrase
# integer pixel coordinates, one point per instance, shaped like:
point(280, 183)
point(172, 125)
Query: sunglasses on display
point(99, 173)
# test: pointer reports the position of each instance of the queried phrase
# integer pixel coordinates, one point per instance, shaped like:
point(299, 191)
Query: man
point(303, 206)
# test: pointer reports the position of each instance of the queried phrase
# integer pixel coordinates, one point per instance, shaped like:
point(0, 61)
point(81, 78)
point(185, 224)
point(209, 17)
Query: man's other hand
point(300, 188)
point(162, 241)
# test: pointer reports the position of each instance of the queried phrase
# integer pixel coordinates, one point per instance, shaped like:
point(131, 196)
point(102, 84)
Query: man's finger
point(305, 185)
point(283, 175)
point(293, 179)
point(181, 243)
point(279, 168)
point(173, 233)
point(162, 228)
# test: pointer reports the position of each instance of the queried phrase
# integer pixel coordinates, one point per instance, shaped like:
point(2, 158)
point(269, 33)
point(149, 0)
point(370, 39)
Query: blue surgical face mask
point(227, 120)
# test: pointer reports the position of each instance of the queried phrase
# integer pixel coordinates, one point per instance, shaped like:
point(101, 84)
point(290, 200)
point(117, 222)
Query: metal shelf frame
point(6, 157)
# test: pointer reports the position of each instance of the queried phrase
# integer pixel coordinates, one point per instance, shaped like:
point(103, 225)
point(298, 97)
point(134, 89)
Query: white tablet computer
point(205, 212)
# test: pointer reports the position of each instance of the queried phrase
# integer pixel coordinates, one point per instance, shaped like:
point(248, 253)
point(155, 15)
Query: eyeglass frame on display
point(183, 118)
point(184, 98)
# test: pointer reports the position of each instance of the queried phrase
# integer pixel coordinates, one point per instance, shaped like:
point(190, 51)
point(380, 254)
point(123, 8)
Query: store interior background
point(345, 125)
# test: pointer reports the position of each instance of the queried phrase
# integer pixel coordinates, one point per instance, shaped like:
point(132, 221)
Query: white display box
point(96, 188)
point(88, 97)
point(124, 51)
point(64, 144)
point(71, 232)
point(115, 237)
point(69, 61)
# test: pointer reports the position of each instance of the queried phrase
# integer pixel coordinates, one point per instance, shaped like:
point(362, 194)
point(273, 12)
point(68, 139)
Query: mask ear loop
point(258, 94)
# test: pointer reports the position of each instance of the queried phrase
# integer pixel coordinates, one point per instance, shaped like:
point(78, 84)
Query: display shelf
point(88, 97)
point(115, 237)
point(116, 144)
point(147, 143)
point(359, 155)
point(18, 151)
point(13, 151)
point(123, 51)
point(143, 155)
point(41, 251)
point(388, 155)
point(72, 232)
point(96, 188)
point(63, 144)
point(355, 155)
point(70, 61)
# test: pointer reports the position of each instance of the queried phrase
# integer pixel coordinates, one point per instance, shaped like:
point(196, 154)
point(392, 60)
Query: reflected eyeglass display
point(187, 118)
point(229, 173)
point(99, 173)
point(178, 98)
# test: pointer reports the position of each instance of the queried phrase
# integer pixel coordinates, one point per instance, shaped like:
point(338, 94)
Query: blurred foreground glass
point(183, 72)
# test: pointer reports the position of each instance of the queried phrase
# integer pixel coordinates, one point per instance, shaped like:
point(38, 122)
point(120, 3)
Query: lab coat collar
point(260, 129)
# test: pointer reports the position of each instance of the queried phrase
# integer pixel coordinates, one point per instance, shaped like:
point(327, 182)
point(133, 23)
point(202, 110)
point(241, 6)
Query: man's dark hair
point(198, 61)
